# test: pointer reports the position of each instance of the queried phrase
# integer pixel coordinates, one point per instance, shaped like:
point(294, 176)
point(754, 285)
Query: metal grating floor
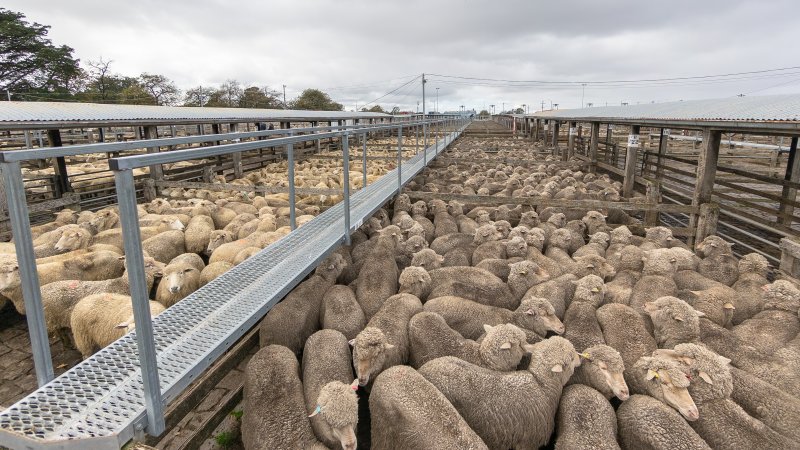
point(99, 403)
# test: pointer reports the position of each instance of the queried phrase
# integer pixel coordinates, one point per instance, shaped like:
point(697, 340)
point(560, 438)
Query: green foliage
point(376, 108)
point(254, 97)
point(484, 113)
point(198, 96)
point(161, 89)
point(519, 111)
point(225, 439)
point(237, 414)
point(30, 63)
point(315, 100)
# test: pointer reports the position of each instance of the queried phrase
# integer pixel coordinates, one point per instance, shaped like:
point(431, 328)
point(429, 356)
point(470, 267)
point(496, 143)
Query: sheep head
point(663, 379)
point(502, 348)
point(486, 233)
point(590, 289)
point(337, 405)
point(673, 317)
point(415, 280)
point(537, 314)
point(369, 353)
point(218, 237)
point(9, 274)
point(661, 236)
point(73, 239)
point(709, 372)
point(661, 261)
point(754, 263)
point(782, 295)
point(331, 267)
point(554, 356)
point(712, 246)
point(608, 362)
point(516, 246)
point(621, 235)
point(179, 277)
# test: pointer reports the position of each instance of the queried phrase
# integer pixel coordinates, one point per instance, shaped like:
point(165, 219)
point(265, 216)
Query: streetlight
point(437, 100)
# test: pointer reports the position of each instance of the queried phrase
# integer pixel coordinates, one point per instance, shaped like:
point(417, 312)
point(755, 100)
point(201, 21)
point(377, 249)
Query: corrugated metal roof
point(768, 108)
point(96, 112)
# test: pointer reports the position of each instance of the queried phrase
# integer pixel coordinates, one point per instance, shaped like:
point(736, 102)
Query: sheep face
point(610, 195)
point(72, 240)
point(419, 209)
point(414, 245)
point(369, 353)
point(538, 314)
point(709, 372)
point(415, 280)
point(608, 362)
point(713, 245)
point(558, 220)
point(485, 233)
point(179, 278)
point(66, 216)
point(661, 236)
point(337, 405)
point(455, 208)
point(9, 275)
point(620, 235)
point(427, 259)
point(218, 237)
point(556, 355)
point(516, 247)
point(503, 346)
point(503, 227)
point(664, 381)
point(594, 219)
point(402, 203)
point(331, 267)
point(103, 220)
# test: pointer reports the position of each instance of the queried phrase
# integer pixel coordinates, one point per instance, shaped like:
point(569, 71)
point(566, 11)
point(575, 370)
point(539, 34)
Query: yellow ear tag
point(585, 355)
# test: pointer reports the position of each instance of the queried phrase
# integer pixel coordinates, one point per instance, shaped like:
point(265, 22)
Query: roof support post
point(570, 141)
point(237, 157)
point(156, 171)
point(555, 137)
point(60, 166)
point(663, 144)
point(790, 193)
point(630, 162)
point(706, 173)
point(593, 146)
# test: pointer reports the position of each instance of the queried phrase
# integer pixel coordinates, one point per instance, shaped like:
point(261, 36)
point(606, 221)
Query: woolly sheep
point(468, 317)
point(632, 341)
point(98, 320)
point(430, 337)
point(383, 343)
point(716, 303)
point(777, 409)
point(523, 403)
point(114, 235)
point(180, 278)
point(558, 291)
point(377, 280)
point(648, 424)
point(674, 321)
point(217, 239)
point(341, 311)
point(753, 271)
point(598, 242)
point(656, 281)
point(589, 289)
point(581, 326)
point(585, 420)
point(165, 246)
point(602, 369)
point(663, 379)
point(427, 259)
point(722, 423)
point(718, 263)
point(293, 320)
point(213, 270)
point(466, 282)
point(409, 412)
point(777, 323)
point(198, 234)
point(274, 407)
point(244, 254)
point(327, 376)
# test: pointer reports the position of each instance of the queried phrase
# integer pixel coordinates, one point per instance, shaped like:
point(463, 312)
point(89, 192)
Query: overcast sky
point(358, 50)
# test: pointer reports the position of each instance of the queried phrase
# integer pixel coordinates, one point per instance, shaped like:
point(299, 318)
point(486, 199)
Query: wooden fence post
point(237, 157)
point(630, 162)
point(707, 221)
point(790, 193)
point(790, 257)
point(706, 173)
point(593, 146)
point(652, 218)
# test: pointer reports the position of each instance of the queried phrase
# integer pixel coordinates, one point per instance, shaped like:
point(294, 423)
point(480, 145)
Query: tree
point(254, 97)
point(227, 95)
point(161, 88)
point(519, 111)
point(136, 94)
point(104, 86)
point(315, 100)
point(376, 108)
point(484, 113)
point(29, 62)
point(198, 96)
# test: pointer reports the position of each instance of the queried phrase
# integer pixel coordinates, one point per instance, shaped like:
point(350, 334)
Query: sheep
point(407, 249)
point(468, 317)
point(558, 247)
point(595, 222)
point(213, 270)
point(59, 298)
point(341, 311)
point(180, 278)
point(418, 212)
point(558, 291)
point(274, 406)
point(592, 265)
point(620, 237)
point(377, 280)
point(427, 259)
point(602, 369)
point(647, 424)
point(430, 337)
point(228, 251)
point(656, 281)
point(330, 400)
point(91, 266)
point(753, 271)
point(598, 242)
point(716, 303)
point(656, 237)
point(663, 379)
point(722, 423)
point(585, 420)
point(114, 235)
point(522, 276)
point(466, 282)
point(98, 320)
point(577, 229)
point(198, 233)
point(581, 326)
point(443, 222)
point(674, 321)
point(491, 250)
point(244, 254)
point(165, 246)
point(777, 323)
point(718, 263)
point(72, 237)
point(217, 239)
point(686, 260)
point(632, 341)
point(384, 341)
point(522, 404)
point(589, 289)
point(777, 409)
point(63, 217)
point(293, 320)
point(408, 412)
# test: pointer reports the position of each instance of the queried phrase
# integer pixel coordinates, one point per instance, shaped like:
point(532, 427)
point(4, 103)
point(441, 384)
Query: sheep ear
point(121, 258)
point(557, 368)
point(705, 377)
point(530, 312)
point(725, 361)
point(388, 346)
point(122, 325)
point(487, 328)
point(729, 305)
point(701, 314)
point(651, 374)
point(678, 318)
point(317, 410)
point(505, 345)
point(352, 342)
point(528, 348)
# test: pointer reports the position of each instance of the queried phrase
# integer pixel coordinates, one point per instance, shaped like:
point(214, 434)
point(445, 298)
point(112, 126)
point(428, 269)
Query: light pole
point(284, 96)
point(583, 91)
point(492, 106)
point(437, 100)
point(524, 111)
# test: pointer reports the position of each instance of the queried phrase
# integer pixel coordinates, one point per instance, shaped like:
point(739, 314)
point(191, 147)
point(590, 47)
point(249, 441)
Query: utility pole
point(423, 95)
point(437, 100)
point(284, 96)
point(504, 108)
point(583, 91)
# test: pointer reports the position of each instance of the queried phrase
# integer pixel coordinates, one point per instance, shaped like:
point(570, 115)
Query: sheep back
point(586, 420)
point(341, 311)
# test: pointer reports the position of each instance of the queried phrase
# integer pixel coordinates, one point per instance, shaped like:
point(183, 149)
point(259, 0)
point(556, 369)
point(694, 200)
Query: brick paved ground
point(17, 376)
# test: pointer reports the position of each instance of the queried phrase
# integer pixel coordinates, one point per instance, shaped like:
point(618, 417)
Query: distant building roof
point(20, 115)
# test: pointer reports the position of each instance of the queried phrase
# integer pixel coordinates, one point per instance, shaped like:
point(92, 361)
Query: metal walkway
point(99, 404)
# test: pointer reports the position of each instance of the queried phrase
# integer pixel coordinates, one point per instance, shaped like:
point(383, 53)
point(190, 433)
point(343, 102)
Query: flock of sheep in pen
point(443, 326)
point(446, 325)
point(189, 236)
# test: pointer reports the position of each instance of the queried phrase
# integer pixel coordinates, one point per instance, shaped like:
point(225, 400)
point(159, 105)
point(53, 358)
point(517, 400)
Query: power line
point(392, 91)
